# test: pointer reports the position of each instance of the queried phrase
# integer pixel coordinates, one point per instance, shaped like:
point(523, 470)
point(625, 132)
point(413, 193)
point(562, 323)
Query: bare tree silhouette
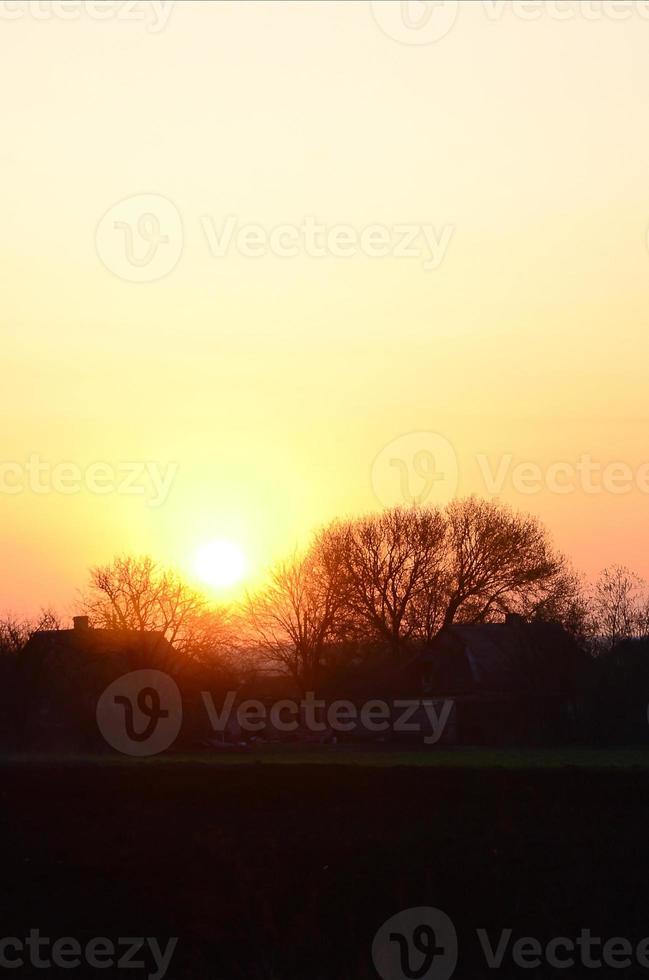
point(390, 563)
point(294, 617)
point(619, 606)
point(138, 594)
point(498, 561)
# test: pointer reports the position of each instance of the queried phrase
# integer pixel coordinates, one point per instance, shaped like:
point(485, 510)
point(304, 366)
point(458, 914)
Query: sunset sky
point(266, 385)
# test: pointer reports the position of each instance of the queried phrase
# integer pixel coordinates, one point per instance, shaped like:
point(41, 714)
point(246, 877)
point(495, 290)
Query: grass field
point(283, 868)
point(463, 758)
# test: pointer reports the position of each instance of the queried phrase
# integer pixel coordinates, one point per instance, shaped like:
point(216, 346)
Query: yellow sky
point(270, 382)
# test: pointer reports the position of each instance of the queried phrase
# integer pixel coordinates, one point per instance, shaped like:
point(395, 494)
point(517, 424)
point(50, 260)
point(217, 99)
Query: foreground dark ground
point(282, 872)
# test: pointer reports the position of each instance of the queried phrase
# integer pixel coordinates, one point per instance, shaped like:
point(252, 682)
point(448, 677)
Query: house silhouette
point(61, 674)
point(514, 680)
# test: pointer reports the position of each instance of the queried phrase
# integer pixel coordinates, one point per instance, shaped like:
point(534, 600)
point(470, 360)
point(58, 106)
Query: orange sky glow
point(266, 264)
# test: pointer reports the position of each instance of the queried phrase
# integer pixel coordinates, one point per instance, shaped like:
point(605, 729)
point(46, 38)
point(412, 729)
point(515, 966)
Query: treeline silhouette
point(369, 592)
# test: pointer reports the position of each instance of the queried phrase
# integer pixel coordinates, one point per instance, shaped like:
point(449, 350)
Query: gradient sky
point(273, 382)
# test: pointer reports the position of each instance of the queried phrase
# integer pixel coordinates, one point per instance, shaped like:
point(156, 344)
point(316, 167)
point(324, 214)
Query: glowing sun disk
point(220, 563)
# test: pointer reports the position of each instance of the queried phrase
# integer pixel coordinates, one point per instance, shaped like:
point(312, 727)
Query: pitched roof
point(92, 644)
point(514, 656)
point(87, 659)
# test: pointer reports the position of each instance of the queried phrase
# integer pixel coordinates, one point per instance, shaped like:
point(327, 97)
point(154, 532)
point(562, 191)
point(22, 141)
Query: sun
point(220, 563)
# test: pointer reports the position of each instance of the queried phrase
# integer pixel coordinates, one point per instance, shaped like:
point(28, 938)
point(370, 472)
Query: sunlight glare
point(220, 563)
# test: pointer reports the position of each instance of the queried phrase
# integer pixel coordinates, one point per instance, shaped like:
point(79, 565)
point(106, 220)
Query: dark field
point(283, 872)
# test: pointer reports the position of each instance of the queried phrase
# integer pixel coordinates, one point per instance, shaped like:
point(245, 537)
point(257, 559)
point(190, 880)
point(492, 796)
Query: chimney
point(81, 623)
point(515, 619)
